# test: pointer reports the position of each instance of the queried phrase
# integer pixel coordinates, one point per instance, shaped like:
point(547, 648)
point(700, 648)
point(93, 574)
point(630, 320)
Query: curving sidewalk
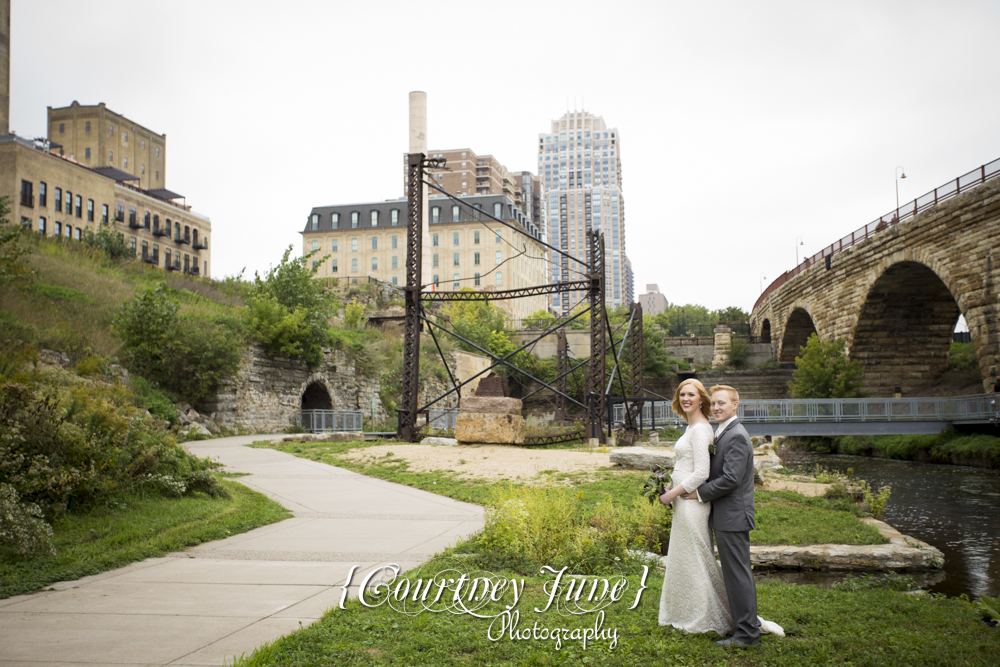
point(209, 603)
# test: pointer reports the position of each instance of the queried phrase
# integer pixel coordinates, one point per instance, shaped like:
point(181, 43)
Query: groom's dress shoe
point(737, 643)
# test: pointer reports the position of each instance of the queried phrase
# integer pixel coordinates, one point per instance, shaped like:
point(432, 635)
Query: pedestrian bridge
point(843, 416)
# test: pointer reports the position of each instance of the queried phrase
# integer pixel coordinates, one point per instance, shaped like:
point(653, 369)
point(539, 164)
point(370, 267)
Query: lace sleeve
point(701, 438)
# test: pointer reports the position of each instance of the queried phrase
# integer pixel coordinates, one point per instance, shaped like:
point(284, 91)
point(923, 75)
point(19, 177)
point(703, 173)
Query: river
point(954, 508)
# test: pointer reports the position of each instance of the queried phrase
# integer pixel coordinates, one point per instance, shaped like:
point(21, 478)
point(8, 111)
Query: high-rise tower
point(580, 163)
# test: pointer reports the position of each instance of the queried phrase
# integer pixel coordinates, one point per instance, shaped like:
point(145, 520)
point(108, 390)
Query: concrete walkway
point(225, 598)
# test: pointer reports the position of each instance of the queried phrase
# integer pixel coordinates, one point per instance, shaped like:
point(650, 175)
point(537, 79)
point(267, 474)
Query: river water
point(954, 508)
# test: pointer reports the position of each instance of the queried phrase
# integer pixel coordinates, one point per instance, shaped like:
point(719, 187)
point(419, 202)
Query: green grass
point(947, 447)
point(783, 517)
point(135, 528)
point(823, 626)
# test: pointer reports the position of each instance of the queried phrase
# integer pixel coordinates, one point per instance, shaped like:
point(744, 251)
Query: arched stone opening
point(765, 331)
point(797, 331)
point(904, 331)
point(316, 397)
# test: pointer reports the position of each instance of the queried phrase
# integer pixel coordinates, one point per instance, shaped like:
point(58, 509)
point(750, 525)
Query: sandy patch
point(488, 461)
point(774, 482)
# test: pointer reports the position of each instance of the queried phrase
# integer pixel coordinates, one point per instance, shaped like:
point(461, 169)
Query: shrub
point(738, 353)
point(152, 399)
point(353, 314)
point(823, 371)
point(22, 527)
point(14, 267)
point(109, 242)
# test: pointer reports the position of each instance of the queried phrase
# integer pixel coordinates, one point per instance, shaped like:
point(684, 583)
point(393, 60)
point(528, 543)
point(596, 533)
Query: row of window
point(394, 241)
point(374, 216)
point(111, 133)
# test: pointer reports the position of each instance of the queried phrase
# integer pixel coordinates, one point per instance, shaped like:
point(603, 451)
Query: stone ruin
point(490, 417)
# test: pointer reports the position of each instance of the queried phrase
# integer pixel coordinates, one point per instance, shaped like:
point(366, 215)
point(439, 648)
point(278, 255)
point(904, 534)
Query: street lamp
point(799, 239)
point(898, 178)
point(762, 279)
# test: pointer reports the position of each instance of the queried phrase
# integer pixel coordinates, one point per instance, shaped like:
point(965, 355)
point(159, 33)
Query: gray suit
point(730, 490)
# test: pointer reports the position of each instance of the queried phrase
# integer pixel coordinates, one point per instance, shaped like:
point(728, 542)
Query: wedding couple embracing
point(712, 489)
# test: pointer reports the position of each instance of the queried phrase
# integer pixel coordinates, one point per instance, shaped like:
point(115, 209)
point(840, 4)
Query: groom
point(730, 490)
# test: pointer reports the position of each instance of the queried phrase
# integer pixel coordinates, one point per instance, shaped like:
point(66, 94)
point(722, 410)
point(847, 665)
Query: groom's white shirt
point(718, 432)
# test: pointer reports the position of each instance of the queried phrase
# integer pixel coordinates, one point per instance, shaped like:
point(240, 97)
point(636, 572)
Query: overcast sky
point(743, 125)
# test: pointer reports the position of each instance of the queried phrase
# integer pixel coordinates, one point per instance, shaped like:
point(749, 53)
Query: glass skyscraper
point(580, 163)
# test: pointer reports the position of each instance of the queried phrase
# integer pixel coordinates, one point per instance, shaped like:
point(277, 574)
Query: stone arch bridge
point(894, 289)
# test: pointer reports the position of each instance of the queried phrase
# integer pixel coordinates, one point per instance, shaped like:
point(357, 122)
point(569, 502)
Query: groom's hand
point(690, 496)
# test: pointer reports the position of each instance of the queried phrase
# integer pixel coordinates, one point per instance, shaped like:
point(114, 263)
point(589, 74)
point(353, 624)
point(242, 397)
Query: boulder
point(758, 469)
point(495, 405)
point(490, 428)
point(198, 429)
point(447, 442)
point(642, 458)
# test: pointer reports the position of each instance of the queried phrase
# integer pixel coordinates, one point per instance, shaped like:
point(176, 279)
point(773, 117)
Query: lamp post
point(762, 279)
point(799, 239)
point(899, 170)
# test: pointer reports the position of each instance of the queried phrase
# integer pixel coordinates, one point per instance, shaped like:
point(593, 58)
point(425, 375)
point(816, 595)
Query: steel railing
point(442, 419)
point(321, 421)
point(950, 189)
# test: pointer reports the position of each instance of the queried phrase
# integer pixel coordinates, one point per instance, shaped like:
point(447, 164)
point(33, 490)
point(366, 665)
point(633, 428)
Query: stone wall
point(896, 296)
point(753, 383)
point(268, 390)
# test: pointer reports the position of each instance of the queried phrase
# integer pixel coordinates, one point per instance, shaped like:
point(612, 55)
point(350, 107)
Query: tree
point(823, 371)
point(13, 254)
point(288, 311)
point(738, 353)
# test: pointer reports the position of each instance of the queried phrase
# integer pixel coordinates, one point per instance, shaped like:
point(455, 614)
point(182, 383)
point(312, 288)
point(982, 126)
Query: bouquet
point(656, 485)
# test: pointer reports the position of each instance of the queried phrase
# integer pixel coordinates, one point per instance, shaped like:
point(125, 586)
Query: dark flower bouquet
point(656, 485)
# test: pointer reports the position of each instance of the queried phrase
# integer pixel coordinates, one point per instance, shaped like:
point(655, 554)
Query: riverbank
point(950, 447)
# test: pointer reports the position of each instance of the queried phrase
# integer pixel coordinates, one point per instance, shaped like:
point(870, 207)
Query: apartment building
point(579, 162)
point(468, 249)
point(653, 303)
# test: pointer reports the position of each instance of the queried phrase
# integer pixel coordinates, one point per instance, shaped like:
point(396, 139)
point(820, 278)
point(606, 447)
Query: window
point(394, 216)
point(497, 210)
point(177, 230)
point(86, 152)
point(334, 220)
point(62, 128)
point(395, 262)
point(434, 260)
point(43, 194)
point(354, 219)
point(354, 245)
point(111, 158)
point(69, 203)
point(58, 229)
point(41, 226)
point(454, 285)
point(143, 144)
point(454, 238)
point(145, 220)
point(314, 221)
point(393, 242)
point(499, 256)
point(435, 280)
point(79, 206)
point(374, 243)
point(131, 245)
point(78, 233)
point(374, 217)
point(125, 137)
point(104, 214)
point(435, 215)
point(498, 237)
point(145, 249)
point(58, 200)
point(315, 245)
point(111, 130)
point(87, 127)
point(374, 263)
point(455, 259)
point(354, 264)
point(166, 257)
point(476, 280)
point(475, 238)
point(434, 240)
point(499, 278)
point(475, 259)
point(90, 210)
point(315, 265)
point(157, 175)
point(333, 266)
point(142, 169)
point(69, 231)
point(125, 163)
point(394, 280)
point(454, 213)
point(27, 196)
point(157, 155)
point(333, 245)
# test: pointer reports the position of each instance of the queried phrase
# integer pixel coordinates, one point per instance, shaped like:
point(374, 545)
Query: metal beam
point(535, 290)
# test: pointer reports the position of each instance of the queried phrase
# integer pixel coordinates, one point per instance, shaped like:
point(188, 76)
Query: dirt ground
point(489, 461)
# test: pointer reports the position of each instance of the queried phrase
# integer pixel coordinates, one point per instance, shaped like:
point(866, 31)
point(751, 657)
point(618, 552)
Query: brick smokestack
point(4, 67)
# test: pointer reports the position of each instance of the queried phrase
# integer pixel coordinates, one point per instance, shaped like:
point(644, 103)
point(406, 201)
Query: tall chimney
point(418, 144)
point(4, 67)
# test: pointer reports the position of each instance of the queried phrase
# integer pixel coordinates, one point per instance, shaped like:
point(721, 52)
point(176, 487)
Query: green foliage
point(109, 242)
point(656, 362)
point(990, 606)
point(540, 319)
point(186, 355)
point(22, 526)
point(962, 356)
point(693, 319)
point(823, 371)
point(890, 581)
point(14, 268)
point(153, 399)
point(875, 502)
point(738, 353)
point(288, 311)
point(353, 315)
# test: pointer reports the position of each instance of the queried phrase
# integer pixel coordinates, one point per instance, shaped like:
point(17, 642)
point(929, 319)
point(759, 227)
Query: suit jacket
point(730, 481)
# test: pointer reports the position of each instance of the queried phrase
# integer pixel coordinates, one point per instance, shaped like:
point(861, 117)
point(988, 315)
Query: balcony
point(200, 245)
point(160, 232)
point(152, 259)
point(120, 216)
point(134, 223)
point(176, 266)
point(193, 271)
point(182, 240)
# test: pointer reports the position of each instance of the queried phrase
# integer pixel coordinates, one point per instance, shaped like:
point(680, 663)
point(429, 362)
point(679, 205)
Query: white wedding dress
point(694, 593)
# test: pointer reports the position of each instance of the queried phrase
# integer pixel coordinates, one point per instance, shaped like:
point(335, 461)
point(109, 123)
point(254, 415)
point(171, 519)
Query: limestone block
point(642, 458)
point(447, 442)
point(496, 405)
point(482, 427)
point(198, 429)
point(758, 470)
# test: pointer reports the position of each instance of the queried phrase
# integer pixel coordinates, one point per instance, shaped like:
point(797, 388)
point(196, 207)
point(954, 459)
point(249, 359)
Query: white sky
point(743, 124)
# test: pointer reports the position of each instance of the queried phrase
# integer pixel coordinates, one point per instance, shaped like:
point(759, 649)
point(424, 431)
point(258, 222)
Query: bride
point(694, 594)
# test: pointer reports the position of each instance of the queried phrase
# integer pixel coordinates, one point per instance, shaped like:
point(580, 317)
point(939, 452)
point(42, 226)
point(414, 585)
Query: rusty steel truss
point(595, 399)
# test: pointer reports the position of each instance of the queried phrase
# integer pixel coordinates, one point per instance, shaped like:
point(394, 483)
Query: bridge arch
point(316, 395)
point(765, 330)
point(797, 330)
point(903, 330)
